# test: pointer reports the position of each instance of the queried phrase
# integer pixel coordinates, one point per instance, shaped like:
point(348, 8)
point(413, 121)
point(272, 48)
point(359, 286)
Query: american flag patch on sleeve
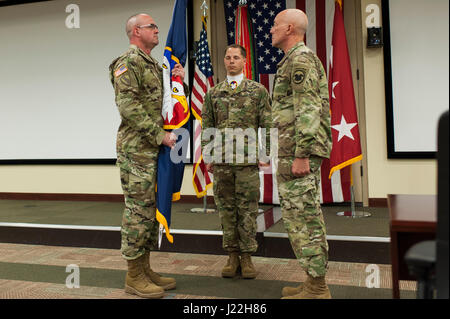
point(120, 70)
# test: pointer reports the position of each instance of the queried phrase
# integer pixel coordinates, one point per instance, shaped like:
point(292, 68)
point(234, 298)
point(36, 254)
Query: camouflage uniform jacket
point(137, 81)
point(300, 107)
point(246, 107)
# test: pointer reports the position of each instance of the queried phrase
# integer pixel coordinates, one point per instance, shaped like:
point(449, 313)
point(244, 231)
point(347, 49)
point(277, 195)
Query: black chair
point(428, 260)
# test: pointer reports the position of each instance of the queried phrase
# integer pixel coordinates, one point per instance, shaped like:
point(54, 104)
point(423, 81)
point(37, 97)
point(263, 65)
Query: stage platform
point(38, 239)
point(97, 225)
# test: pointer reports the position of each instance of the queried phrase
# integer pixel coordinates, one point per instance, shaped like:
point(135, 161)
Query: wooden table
point(412, 220)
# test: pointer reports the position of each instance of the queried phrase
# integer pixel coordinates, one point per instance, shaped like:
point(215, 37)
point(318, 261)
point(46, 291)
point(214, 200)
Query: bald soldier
point(137, 81)
point(300, 111)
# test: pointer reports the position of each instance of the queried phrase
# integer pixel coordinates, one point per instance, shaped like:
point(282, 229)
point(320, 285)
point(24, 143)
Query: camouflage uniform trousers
point(140, 229)
point(302, 215)
point(236, 193)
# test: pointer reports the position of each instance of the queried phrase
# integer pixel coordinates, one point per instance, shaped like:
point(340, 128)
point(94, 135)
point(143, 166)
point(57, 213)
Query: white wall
point(43, 32)
point(71, 179)
point(387, 176)
point(57, 99)
point(419, 49)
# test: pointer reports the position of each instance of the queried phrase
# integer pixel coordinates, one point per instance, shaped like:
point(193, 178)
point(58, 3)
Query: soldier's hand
point(300, 167)
point(210, 168)
point(178, 70)
point(265, 167)
point(169, 139)
point(262, 164)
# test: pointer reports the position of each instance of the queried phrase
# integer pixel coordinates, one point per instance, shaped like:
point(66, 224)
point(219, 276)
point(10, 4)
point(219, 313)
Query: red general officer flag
point(344, 119)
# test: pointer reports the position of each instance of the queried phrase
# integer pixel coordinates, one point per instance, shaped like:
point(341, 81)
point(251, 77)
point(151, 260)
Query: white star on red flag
point(345, 151)
point(344, 129)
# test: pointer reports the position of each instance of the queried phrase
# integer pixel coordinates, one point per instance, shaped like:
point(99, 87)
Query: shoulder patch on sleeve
point(299, 76)
point(121, 70)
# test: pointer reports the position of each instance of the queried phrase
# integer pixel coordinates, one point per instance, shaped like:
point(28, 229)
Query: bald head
point(297, 18)
point(289, 28)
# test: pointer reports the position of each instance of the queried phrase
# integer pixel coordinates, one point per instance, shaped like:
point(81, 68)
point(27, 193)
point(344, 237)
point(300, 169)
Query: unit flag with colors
point(175, 112)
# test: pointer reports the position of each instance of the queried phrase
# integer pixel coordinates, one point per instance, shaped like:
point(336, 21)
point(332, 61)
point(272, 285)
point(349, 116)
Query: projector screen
point(57, 102)
point(416, 73)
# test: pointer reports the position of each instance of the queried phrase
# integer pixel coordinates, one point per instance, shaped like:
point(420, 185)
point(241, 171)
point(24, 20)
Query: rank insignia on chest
point(233, 85)
point(120, 70)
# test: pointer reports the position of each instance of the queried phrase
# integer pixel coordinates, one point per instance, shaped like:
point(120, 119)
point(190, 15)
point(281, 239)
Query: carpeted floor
point(39, 272)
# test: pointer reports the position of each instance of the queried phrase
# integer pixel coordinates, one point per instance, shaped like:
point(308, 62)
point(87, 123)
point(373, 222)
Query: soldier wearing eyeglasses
point(137, 80)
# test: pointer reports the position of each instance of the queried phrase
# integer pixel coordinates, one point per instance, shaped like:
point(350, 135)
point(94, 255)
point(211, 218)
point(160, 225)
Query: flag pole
point(353, 213)
point(205, 210)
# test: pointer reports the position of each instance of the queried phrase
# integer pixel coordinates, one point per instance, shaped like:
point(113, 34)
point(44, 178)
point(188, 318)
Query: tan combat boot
point(290, 291)
point(314, 288)
point(136, 282)
point(247, 268)
point(166, 283)
point(231, 268)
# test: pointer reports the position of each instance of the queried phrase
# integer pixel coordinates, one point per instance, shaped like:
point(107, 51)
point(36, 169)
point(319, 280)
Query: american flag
point(203, 81)
point(262, 14)
point(320, 16)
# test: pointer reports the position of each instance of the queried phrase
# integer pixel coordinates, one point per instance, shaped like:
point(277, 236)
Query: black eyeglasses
point(150, 26)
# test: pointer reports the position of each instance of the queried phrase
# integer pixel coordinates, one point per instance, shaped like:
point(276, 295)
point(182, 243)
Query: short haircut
point(131, 21)
point(237, 46)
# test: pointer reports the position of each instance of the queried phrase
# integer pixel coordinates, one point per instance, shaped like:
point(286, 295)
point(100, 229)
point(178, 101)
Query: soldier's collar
point(142, 53)
point(235, 81)
point(296, 46)
point(226, 86)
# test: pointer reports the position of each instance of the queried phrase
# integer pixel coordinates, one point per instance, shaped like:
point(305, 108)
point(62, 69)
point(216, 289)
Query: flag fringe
point(176, 196)
point(162, 220)
point(174, 127)
point(342, 165)
point(204, 192)
point(200, 194)
point(197, 117)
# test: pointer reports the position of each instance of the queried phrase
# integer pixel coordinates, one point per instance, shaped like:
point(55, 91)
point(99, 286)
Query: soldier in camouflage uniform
point(236, 103)
point(137, 81)
point(300, 111)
